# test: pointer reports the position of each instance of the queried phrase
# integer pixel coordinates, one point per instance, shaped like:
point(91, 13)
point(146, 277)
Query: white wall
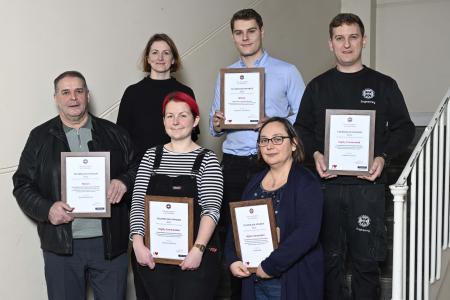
point(103, 39)
point(365, 9)
point(409, 41)
point(413, 45)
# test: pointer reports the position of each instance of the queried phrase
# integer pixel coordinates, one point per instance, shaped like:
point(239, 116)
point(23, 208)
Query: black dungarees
point(169, 282)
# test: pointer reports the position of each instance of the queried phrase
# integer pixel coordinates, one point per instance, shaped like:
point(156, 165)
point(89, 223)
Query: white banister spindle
point(420, 226)
point(412, 233)
point(426, 253)
point(440, 187)
point(399, 193)
point(433, 207)
point(447, 175)
point(404, 242)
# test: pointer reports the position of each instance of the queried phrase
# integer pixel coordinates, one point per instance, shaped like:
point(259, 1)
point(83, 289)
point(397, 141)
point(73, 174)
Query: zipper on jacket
point(79, 138)
point(107, 238)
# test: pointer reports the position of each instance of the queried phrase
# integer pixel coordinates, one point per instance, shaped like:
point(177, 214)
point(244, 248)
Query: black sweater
point(363, 90)
point(140, 111)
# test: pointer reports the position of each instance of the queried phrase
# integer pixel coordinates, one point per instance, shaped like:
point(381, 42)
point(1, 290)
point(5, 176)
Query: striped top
point(209, 182)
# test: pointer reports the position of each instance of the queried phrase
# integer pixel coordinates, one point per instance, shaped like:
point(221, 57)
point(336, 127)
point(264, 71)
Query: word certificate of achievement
point(254, 231)
point(85, 178)
point(242, 97)
point(349, 141)
point(168, 228)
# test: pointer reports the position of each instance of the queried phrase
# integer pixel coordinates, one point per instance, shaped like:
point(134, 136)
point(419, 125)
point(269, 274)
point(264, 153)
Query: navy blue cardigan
point(298, 260)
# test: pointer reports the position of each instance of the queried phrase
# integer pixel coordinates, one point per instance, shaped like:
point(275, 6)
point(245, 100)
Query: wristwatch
point(201, 247)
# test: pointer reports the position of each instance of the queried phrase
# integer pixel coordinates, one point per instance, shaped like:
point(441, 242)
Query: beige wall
point(365, 9)
point(103, 39)
point(408, 40)
point(440, 289)
point(413, 47)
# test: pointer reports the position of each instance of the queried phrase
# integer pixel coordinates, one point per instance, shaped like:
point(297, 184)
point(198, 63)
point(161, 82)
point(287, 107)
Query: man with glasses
point(353, 216)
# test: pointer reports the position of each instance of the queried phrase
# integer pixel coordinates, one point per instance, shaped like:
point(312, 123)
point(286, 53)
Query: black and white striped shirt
point(209, 182)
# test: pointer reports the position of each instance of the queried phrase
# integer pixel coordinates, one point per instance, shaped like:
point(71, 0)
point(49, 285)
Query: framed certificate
point(254, 231)
point(169, 228)
point(349, 141)
point(85, 178)
point(242, 97)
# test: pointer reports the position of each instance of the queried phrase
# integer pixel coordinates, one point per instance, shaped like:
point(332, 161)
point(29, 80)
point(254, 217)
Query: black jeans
point(353, 224)
point(237, 171)
point(139, 288)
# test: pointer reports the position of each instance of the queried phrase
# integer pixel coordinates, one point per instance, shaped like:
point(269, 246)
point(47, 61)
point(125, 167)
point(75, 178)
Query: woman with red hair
point(180, 168)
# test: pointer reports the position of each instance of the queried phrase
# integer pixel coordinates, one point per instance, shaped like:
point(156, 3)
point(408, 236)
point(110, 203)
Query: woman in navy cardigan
point(295, 270)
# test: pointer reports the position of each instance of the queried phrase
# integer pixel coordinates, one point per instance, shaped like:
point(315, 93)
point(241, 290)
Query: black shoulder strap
point(158, 156)
point(198, 160)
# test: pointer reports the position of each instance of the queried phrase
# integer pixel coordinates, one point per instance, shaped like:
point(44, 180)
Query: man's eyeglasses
point(276, 140)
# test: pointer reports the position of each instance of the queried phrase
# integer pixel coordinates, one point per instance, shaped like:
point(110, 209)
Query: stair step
point(385, 284)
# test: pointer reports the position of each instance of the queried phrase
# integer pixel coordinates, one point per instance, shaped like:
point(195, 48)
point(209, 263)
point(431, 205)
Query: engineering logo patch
point(363, 221)
point(368, 93)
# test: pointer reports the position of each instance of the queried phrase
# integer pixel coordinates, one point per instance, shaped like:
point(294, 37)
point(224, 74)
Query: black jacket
point(37, 182)
point(366, 89)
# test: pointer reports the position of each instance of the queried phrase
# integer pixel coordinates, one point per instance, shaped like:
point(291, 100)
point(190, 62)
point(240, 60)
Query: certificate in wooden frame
point(249, 204)
point(370, 136)
point(85, 156)
point(228, 123)
point(168, 200)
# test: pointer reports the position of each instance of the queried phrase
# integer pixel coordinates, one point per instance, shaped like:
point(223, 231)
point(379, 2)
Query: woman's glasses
point(276, 140)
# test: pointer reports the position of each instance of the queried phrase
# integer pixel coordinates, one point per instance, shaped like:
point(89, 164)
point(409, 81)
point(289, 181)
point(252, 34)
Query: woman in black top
point(140, 108)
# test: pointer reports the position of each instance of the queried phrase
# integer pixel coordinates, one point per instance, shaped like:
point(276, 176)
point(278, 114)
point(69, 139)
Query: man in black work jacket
point(77, 249)
point(353, 216)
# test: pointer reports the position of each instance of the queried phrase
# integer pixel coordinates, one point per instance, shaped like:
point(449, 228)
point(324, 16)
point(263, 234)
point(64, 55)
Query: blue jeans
point(268, 289)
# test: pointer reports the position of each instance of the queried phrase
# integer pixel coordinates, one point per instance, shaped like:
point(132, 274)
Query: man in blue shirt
point(283, 91)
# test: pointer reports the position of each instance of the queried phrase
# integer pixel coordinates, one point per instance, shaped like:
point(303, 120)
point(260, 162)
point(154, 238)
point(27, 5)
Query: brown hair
point(298, 154)
point(165, 38)
point(246, 14)
point(345, 18)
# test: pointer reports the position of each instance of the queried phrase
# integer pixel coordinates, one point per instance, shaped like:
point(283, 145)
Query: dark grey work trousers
point(67, 275)
point(353, 225)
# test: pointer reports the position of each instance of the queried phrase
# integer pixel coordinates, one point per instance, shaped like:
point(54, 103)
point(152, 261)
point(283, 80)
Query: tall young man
point(283, 91)
point(353, 217)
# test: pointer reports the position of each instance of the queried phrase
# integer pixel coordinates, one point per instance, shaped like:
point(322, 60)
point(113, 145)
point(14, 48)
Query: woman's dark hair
point(165, 38)
point(299, 154)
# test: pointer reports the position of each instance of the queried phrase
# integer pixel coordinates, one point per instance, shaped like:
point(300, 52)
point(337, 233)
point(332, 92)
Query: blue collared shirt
point(284, 89)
